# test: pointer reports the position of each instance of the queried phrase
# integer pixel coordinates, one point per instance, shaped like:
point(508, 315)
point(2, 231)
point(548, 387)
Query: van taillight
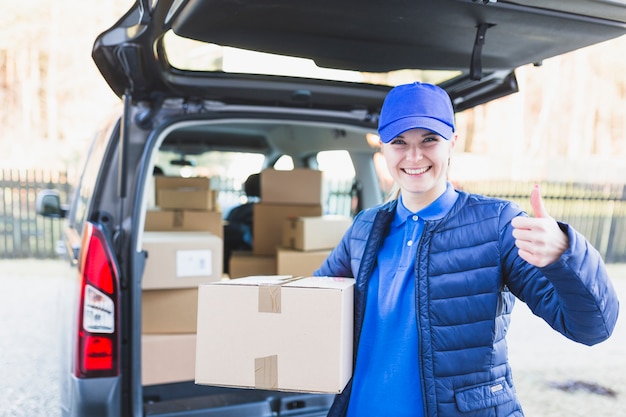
point(97, 353)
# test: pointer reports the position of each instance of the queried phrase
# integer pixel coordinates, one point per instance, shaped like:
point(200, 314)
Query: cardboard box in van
point(268, 224)
point(184, 221)
point(314, 233)
point(296, 262)
point(181, 259)
point(173, 310)
point(298, 186)
point(245, 263)
point(167, 358)
point(192, 193)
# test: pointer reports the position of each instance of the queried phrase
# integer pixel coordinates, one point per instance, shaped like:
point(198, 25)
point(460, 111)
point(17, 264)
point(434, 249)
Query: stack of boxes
point(289, 198)
point(184, 204)
point(183, 240)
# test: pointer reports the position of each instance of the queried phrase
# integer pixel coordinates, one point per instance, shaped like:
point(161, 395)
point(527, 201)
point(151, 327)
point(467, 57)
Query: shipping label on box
point(276, 332)
point(314, 233)
point(268, 224)
point(194, 262)
point(181, 259)
point(298, 186)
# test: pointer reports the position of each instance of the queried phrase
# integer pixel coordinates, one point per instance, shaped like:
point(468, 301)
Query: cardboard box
point(200, 183)
point(276, 332)
point(268, 224)
point(314, 233)
point(181, 259)
point(191, 199)
point(299, 263)
point(298, 186)
point(169, 311)
point(245, 263)
point(184, 221)
point(167, 358)
point(185, 193)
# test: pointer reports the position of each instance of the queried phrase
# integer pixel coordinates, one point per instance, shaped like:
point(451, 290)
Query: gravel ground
point(29, 356)
point(540, 357)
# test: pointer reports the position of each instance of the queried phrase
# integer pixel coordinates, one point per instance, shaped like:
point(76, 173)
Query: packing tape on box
point(291, 232)
point(179, 218)
point(270, 295)
point(269, 298)
point(266, 372)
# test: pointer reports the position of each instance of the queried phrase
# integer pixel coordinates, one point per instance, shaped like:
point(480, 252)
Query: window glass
point(336, 164)
point(228, 172)
point(87, 182)
point(338, 176)
point(284, 163)
point(193, 55)
point(385, 180)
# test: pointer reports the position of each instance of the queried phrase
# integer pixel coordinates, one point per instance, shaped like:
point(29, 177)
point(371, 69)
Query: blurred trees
point(52, 97)
point(567, 123)
point(572, 105)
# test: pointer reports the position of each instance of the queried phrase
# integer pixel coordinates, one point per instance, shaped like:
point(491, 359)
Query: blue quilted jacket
point(467, 276)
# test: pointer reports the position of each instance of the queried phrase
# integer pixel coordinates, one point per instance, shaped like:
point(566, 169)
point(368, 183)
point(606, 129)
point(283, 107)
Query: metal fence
point(24, 234)
point(598, 211)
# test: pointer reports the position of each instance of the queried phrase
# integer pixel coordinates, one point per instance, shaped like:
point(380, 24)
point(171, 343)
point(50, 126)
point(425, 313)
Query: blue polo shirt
point(387, 380)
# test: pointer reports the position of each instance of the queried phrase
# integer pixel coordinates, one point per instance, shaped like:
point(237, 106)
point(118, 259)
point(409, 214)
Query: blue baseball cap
point(416, 105)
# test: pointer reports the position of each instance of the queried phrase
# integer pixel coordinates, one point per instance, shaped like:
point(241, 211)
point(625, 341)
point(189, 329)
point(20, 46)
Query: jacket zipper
point(420, 359)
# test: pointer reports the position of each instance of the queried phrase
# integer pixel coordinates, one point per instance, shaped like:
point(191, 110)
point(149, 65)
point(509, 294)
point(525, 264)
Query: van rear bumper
point(93, 397)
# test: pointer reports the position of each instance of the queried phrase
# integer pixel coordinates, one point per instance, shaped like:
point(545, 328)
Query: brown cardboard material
point(296, 262)
point(185, 193)
point(305, 347)
point(181, 259)
point(169, 311)
point(268, 224)
point(298, 186)
point(314, 233)
point(162, 182)
point(183, 198)
point(245, 263)
point(167, 358)
point(185, 221)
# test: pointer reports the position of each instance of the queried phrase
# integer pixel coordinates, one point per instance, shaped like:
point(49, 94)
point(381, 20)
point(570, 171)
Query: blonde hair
point(394, 193)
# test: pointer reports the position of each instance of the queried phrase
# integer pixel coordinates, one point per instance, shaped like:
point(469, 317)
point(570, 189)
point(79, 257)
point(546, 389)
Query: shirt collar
point(436, 210)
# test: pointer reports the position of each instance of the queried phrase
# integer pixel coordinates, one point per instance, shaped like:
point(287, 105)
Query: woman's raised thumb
point(536, 202)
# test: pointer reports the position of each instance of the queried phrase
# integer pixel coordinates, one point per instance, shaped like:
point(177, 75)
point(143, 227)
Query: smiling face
point(418, 162)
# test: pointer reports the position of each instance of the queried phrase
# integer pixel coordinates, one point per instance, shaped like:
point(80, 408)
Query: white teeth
point(415, 171)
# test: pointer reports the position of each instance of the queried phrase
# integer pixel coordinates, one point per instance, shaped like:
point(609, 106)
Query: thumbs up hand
point(536, 202)
point(539, 239)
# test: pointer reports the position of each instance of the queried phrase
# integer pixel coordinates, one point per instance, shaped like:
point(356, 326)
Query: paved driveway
point(539, 356)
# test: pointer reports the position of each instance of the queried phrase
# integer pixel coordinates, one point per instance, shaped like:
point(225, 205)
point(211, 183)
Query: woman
point(437, 271)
